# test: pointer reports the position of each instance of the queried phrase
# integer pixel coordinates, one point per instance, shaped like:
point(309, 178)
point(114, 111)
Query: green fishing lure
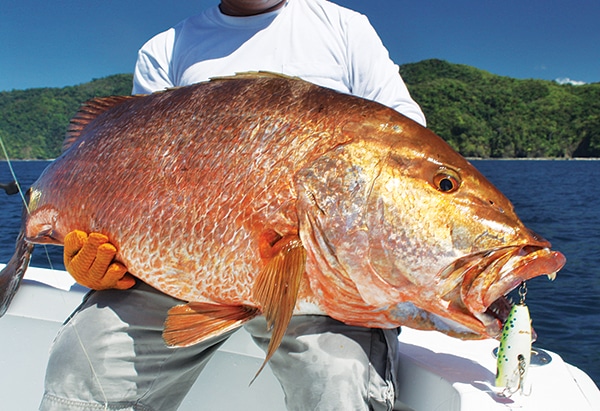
point(514, 353)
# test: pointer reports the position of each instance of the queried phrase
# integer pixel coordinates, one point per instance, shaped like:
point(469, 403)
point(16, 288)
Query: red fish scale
point(156, 184)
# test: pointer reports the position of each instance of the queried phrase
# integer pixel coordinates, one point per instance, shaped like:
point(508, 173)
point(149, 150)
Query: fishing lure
point(514, 353)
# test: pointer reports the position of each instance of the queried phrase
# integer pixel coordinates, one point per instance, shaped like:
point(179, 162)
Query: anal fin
point(194, 323)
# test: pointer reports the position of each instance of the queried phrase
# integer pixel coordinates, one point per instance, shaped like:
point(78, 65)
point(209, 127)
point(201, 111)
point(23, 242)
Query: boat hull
point(436, 371)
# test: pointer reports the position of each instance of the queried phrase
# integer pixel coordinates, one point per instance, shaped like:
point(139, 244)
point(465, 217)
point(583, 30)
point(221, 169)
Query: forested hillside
point(478, 113)
point(485, 115)
point(33, 121)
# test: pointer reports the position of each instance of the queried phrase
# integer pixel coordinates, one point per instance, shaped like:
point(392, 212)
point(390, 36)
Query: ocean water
point(557, 199)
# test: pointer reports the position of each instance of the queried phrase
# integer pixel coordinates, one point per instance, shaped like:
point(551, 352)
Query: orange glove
point(89, 259)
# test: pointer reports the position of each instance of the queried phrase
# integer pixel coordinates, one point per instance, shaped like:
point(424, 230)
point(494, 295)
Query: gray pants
point(322, 364)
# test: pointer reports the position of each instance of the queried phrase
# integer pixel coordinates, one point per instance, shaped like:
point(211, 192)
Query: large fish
point(263, 194)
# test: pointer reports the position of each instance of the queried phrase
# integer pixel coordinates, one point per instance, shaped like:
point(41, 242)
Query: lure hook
point(522, 293)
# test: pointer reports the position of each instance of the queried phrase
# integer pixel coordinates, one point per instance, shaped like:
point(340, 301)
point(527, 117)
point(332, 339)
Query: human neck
point(249, 7)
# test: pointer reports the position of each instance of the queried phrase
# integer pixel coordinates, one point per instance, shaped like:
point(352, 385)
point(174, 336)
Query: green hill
point(478, 113)
point(484, 115)
point(33, 121)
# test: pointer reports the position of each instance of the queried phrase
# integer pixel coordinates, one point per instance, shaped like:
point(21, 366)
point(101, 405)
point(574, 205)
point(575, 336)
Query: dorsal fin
point(253, 75)
point(88, 112)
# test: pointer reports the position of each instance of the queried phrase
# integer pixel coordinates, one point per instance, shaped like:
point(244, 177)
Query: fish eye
point(446, 181)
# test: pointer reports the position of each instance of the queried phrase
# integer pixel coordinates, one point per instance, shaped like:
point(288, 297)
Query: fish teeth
point(494, 309)
point(552, 276)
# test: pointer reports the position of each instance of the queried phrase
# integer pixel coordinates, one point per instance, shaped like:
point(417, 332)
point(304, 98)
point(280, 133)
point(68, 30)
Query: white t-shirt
point(315, 40)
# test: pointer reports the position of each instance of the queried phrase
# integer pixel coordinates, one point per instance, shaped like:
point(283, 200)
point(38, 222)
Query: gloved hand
point(89, 259)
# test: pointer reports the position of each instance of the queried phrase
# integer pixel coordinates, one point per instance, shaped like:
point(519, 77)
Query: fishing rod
point(10, 188)
point(13, 187)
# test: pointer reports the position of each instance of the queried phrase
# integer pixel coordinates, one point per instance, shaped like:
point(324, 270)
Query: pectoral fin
point(194, 323)
point(276, 288)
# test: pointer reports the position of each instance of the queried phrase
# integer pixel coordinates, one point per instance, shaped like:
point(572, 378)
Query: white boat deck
point(437, 372)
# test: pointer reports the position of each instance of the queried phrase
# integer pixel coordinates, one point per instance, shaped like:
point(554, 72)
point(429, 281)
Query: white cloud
point(566, 80)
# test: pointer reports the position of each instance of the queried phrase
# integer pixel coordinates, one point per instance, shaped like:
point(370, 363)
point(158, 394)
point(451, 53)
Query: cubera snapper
point(260, 194)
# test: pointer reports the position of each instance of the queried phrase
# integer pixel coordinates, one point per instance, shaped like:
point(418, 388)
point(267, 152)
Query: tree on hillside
point(485, 115)
point(33, 121)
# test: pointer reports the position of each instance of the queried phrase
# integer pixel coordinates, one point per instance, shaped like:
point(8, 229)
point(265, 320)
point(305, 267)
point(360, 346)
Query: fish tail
point(12, 274)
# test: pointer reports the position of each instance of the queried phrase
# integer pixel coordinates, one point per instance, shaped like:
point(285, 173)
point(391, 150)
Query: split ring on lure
point(514, 353)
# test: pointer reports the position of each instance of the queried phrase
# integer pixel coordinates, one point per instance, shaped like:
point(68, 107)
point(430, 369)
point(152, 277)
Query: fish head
point(407, 232)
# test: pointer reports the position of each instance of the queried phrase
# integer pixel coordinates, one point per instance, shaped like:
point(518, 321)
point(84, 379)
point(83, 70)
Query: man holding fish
point(321, 363)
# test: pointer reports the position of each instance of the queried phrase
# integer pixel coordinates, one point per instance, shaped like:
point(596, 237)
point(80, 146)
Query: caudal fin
point(12, 274)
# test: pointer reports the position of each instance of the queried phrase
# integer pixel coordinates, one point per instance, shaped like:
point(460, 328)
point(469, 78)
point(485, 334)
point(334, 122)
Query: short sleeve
point(373, 75)
point(152, 68)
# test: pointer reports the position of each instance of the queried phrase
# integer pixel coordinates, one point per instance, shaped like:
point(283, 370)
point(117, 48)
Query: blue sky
point(55, 43)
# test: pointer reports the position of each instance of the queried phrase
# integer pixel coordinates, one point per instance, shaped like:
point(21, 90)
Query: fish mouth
point(476, 286)
point(495, 316)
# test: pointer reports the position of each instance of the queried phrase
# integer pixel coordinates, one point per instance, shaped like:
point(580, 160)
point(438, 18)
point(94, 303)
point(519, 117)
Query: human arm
point(373, 74)
point(90, 261)
point(152, 69)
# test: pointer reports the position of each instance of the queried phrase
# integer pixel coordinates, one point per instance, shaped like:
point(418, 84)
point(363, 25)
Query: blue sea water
point(557, 199)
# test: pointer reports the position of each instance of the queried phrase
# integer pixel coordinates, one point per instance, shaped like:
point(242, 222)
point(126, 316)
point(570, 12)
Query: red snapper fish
point(260, 194)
